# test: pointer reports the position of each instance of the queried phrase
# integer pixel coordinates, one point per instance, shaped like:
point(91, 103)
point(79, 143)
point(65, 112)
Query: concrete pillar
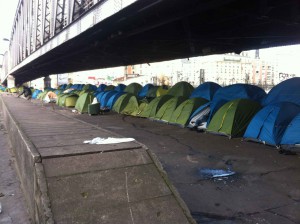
point(47, 82)
point(10, 81)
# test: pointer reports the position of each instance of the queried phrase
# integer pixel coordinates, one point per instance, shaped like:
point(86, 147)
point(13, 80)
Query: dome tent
point(183, 112)
point(206, 90)
point(270, 123)
point(286, 91)
point(181, 89)
point(233, 117)
point(151, 109)
point(235, 91)
point(291, 137)
point(165, 112)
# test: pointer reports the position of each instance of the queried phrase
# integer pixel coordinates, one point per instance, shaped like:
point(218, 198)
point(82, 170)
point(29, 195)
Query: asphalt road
point(265, 188)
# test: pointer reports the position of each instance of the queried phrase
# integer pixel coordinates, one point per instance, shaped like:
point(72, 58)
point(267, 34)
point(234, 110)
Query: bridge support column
point(47, 82)
point(10, 81)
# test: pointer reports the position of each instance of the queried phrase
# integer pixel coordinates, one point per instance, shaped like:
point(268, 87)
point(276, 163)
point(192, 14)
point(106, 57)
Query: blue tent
point(270, 123)
point(99, 95)
point(286, 91)
point(120, 87)
point(205, 90)
point(101, 88)
point(143, 92)
point(105, 98)
point(113, 99)
point(235, 91)
point(291, 136)
point(36, 93)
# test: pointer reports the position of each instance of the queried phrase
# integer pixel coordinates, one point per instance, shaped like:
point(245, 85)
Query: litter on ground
point(108, 140)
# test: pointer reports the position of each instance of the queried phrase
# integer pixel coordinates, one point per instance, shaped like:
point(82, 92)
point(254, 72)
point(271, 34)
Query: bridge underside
point(149, 31)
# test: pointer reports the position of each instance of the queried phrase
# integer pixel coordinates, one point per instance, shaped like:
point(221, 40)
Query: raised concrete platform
point(67, 181)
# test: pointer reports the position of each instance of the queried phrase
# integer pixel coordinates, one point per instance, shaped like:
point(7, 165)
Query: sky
point(7, 14)
point(289, 57)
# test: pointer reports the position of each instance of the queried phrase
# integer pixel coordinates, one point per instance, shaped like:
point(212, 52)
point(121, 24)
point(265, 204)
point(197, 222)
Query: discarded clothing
point(108, 140)
point(214, 173)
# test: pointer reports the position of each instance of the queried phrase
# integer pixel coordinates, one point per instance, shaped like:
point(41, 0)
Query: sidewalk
point(67, 181)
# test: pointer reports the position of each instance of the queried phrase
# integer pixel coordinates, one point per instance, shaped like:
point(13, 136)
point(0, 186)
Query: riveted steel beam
point(60, 16)
point(81, 6)
point(47, 21)
point(39, 15)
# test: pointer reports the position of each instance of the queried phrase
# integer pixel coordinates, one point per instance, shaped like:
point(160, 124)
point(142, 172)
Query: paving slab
point(63, 166)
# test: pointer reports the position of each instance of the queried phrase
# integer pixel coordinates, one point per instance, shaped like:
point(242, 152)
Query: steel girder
point(37, 21)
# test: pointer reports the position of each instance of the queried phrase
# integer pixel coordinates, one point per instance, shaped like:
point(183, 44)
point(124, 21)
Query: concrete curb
point(33, 181)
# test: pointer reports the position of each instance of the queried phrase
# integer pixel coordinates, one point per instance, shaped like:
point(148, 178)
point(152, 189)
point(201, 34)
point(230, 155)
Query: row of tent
point(238, 110)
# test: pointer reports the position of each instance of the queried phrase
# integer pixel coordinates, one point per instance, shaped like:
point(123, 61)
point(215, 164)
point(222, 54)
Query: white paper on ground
point(108, 140)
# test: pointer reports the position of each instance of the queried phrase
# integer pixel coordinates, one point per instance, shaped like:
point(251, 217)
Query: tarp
point(83, 101)
point(205, 90)
point(269, 124)
point(151, 109)
point(121, 102)
point(183, 112)
point(199, 117)
point(286, 91)
point(143, 92)
point(165, 112)
point(291, 136)
point(133, 88)
point(181, 89)
point(233, 117)
point(235, 91)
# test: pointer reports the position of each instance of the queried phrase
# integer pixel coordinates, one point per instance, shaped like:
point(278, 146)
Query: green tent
point(233, 117)
point(166, 110)
point(133, 88)
point(67, 100)
point(162, 90)
point(183, 112)
point(122, 102)
point(71, 100)
point(83, 101)
point(141, 108)
point(132, 106)
point(151, 109)
point(152, 92)
point(181, 89)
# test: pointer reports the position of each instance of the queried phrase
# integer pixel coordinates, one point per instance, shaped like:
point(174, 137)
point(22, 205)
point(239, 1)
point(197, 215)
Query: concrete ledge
point(27, 157)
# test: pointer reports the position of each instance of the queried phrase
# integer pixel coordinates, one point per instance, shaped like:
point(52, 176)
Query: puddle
point(209, 173)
